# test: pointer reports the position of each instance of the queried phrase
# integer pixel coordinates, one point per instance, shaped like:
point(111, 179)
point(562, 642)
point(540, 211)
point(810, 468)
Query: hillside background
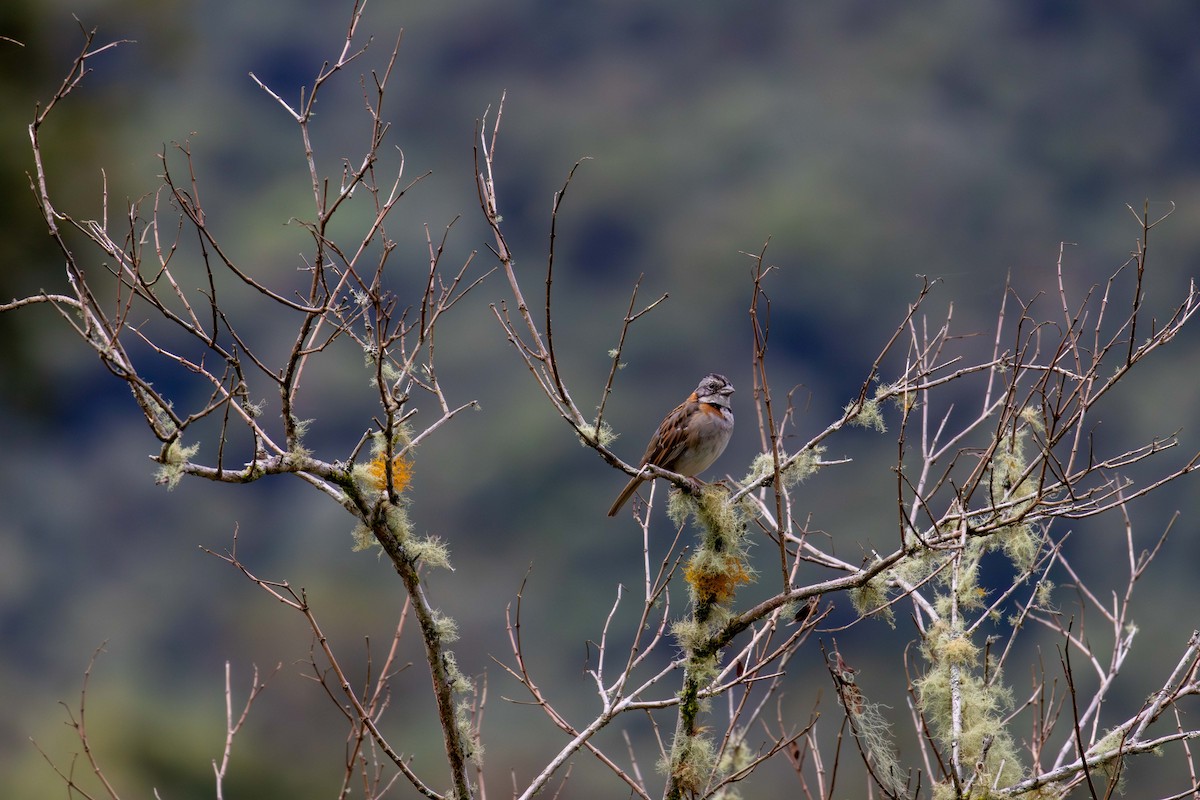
point(870, 143)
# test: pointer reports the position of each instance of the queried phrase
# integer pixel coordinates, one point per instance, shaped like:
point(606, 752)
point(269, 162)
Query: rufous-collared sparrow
point(691, 437)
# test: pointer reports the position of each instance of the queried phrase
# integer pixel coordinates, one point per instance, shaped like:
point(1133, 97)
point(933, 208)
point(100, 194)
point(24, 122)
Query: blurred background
point(869, 143)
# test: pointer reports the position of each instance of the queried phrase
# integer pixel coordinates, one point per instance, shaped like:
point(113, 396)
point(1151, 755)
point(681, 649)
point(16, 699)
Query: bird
point(690, 438)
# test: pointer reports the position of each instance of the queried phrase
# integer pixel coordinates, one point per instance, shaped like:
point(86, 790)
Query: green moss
point(702, 670)
point(431, 551)
point(1009, 484)
point(590, 435)
point(297, 449)
point(737, 754)
point(1044, 593)
point(398, 522)
point(945, 791)
point(1021, 545)
point(174, 460)
point(445, 626)
point(253, 410)
point(679, 507)
point(868, 416)
point(803, 465)
point(870, 600)
point(364, 538)
point(874, 733)
point(916, 568)
point(401, 440)
point(691, 763)
point(961, 651)
point(689, 633)
point(463, 713)
point(983, 706)
point(459, 683)
point(762, 466)
point(363, 475)
point(162, 415)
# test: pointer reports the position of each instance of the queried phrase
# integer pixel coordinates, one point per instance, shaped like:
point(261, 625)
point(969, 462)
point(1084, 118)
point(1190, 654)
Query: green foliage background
point(870, 142)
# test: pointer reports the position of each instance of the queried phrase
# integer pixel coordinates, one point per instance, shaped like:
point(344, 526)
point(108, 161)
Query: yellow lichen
point(714, 577)
point(375, 473)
